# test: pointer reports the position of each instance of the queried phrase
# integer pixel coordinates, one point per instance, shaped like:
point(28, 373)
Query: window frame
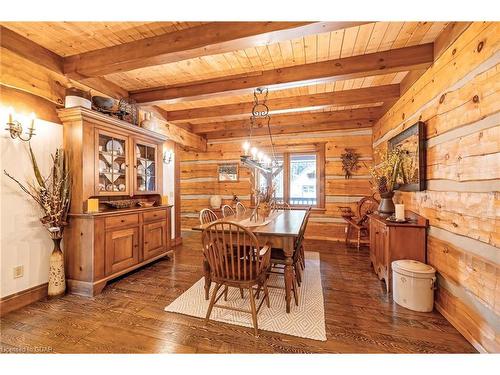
point(317, 149)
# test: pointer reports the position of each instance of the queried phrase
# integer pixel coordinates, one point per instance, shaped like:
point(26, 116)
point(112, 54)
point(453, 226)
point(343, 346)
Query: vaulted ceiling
point(201, 76)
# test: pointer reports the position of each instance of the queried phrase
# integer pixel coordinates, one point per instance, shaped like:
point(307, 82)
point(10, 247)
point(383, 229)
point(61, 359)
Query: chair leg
point(212, 301)
point(298, 275)
point(295, 292)
point(302, 257)
point(359, 237)
point(268, 303)
point(242, 294)
point(257, 294)
point(225, 293)
point(254, 311)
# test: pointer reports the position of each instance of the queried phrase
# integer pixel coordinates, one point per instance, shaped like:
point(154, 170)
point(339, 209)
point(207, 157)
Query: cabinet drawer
point(154, 215)
point(121, 221)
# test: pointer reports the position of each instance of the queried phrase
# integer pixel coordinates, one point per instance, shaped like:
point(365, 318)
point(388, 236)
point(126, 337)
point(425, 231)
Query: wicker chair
point(236, 260)
point(207, 216)
point(227, 210)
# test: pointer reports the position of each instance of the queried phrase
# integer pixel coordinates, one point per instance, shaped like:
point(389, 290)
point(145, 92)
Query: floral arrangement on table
point(52, 194)
point(264, 199)
point(386, 173)
point(385, 177)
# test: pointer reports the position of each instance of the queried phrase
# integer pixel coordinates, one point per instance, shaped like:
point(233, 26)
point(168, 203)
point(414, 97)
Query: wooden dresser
point(112, 160)
point(393, 241)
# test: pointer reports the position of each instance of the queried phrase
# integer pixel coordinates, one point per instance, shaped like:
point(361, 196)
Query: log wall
point(199, 176)
point(458, 99)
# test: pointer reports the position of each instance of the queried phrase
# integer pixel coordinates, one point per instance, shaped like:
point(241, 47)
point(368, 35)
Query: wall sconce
point(16, 128)
point(167, 156)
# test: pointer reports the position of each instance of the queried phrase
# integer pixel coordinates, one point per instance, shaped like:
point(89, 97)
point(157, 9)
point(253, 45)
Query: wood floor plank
point(129, 316)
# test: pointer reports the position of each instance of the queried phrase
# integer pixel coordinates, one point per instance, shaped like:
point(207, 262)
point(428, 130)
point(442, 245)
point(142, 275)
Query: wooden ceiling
point(201, 75)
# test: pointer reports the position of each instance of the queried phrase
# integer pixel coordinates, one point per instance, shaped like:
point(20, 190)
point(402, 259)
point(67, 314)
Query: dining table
point(280, 230)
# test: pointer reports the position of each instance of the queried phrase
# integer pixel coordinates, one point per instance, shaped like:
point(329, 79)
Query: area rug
point(306, 320)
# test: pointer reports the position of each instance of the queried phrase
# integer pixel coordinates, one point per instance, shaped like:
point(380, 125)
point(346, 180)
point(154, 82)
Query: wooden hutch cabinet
point(391, 241)
point(111, 160)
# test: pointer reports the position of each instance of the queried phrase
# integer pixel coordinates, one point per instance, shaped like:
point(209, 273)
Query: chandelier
point(252, 156)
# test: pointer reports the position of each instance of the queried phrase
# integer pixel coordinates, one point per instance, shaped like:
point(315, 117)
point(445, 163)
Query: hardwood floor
point(128, 316)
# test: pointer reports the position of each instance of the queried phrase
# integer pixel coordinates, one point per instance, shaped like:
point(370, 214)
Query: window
point(298, 182)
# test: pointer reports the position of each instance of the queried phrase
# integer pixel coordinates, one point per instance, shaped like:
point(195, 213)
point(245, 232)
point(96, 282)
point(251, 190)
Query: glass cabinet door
point(112, 164)
point(145, 168)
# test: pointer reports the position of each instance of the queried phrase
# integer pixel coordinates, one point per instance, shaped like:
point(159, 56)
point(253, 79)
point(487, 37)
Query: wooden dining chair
point(240, 208)
point(227, 210)
point(236, 260)
point(278, 259)
point(207, 216)
point(282, 206)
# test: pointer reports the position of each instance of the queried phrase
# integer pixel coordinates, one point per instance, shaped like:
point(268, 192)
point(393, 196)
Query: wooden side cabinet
point(394, 241)
point(102, 246)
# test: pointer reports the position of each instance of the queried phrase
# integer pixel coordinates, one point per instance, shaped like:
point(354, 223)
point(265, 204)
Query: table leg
point(208, 280)
point(288, 250)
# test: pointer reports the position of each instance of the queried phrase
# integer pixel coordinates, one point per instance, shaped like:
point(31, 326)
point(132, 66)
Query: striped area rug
point(306, 320)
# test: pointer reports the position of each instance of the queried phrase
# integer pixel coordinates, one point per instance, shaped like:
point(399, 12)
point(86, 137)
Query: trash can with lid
point(413, 285)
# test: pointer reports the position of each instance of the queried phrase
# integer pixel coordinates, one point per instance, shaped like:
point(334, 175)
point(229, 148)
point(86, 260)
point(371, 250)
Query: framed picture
point(228, 172)
point(412, 142)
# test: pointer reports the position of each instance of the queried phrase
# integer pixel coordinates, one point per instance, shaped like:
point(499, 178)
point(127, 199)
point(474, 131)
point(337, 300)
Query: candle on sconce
point(164, 200)
point(93, 205)
point(400, 211)
point(10, 111)
point(32, 124)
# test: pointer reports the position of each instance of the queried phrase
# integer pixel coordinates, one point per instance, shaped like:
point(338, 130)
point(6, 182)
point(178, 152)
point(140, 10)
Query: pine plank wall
point(457, 98)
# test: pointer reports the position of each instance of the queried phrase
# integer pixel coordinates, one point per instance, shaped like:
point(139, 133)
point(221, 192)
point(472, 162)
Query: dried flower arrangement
point(387, 172)
point(52, 193)
point(349, 162)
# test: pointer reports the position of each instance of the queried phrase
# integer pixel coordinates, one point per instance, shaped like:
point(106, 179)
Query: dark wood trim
point(20, 299)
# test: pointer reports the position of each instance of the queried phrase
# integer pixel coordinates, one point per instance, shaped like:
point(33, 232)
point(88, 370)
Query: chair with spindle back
point(278, 259)
point(207, 216)
point(227, 210)
point(281, 206)
point(240, 208)
point(236, 260)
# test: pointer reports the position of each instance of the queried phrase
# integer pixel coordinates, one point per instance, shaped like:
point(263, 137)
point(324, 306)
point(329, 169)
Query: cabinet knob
point(136, 245)
point(145, 242)
point(123, 220)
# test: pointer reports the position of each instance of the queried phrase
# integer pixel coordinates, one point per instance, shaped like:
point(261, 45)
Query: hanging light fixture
point(253, 157)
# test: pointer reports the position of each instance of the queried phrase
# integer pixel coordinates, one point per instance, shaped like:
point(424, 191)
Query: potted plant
point(385, 176)
point(52, 194)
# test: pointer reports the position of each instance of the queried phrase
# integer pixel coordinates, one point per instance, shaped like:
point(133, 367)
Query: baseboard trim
point(20, 299)
point(460, 329)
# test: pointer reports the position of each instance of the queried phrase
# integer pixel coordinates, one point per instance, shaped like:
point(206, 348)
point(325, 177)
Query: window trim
point(319, 150)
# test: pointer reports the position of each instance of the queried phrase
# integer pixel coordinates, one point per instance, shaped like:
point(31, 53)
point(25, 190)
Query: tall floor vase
point(57, 279)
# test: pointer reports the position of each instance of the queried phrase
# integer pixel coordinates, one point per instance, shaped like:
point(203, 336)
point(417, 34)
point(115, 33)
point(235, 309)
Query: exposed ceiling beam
point(396, 60)
point(302, 118)
point(288, 129)
point(208, 39)
point(29, 50)
point(346, 97)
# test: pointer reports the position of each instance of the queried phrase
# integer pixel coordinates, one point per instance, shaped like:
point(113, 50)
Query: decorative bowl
point(146, 204)
point(102, 102)
point(123, 203)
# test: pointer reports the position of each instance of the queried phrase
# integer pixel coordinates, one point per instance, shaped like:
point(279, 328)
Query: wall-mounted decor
point(412, 142)
point(349, 162)
point(228, 172)
point(15, 127)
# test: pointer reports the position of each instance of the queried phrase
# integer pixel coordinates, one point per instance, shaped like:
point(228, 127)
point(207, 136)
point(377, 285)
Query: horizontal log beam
point(29, 50)
point(290, 129)
point(396, 60)
point(346, 97)
point(208, 39)
point(302, 118)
